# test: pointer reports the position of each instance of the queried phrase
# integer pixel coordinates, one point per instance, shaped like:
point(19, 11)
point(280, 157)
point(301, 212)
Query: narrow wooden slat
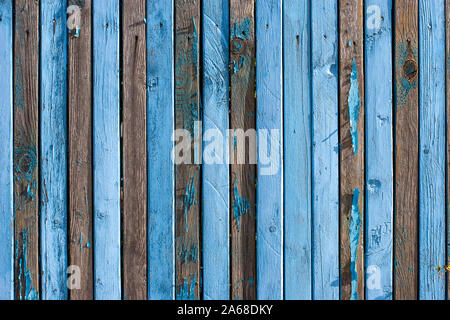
point(406, 144)
point(351, 112)
point(297, 149)
point(106, 146)
point(80, 148)
point(134, 151)
point(270, 181)
point(215, 179)
point(26, 166)
point(187, 112)
point(447, 23)
point(6, 156)
point(243, 175)
point(431, 149)
point(379, 149)
point(325, 141)
point(160, 120)
point(53, 156)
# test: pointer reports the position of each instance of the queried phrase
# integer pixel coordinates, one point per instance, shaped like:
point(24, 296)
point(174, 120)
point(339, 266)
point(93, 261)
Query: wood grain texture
point(160, 120)
point(243, 175)
point(379, 149)
point(107, 255)
point(432, 149)
point(406, 159)
point(297, 149)
point(187, 112)
point(6, 156)
point(447, 24)
point(325, 144)
point(215, 178)
point(80, 150)
point(269, 117)
point(351, 112)
point(53, 155)
point(134, 151)
point(26, 166)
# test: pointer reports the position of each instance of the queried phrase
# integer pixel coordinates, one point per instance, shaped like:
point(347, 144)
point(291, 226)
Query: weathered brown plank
point(351, 114)
point(134, 151)
point(406, 150)
point(26, 191)
point(187, 176)
point(80, 151)
point(243, 176)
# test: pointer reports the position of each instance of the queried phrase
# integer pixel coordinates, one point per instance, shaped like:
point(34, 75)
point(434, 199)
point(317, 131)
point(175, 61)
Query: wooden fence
point(351, 202)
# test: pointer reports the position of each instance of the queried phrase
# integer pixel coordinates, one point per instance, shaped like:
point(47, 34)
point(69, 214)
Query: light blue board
point(269, 246)
point(6, 160)
point(160, 109)
point(325, 139)
point(53, 156)
point(107, 272)
point(215, 197)
point(432, 148)
point(379, 150)
point(297, 149)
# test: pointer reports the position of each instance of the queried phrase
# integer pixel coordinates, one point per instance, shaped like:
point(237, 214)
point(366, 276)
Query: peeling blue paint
point(353, 106)
point(241, 30)
point(186, 291)
point(25, 274)
point(355, 224)
point(241, 206)
point(189, 199)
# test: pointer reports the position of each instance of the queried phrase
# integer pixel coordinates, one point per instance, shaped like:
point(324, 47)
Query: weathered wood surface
point(431, 149)
point(187, 113)
point(215, 171)
point(80, 148)
point(406, 150)
point(242, 175)
point(447, 24)
point(6, 156)
point(26, 153)
point(134, 150)
point(269, 115)
point(352, 128)
point(379, 149)
point(160, 121)
point(325, 144)
point(297, 149)
point(106, 118)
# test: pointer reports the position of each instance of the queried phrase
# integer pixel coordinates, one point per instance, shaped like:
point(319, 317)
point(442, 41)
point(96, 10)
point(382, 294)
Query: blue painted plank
point(269, 126)
point(216, 264)
point(53, 156)
point(6, 156)
point(432, 149)
point(325, 142)
point(107, 271)
point(160, 108)
point(379, 150)
point(297, 149)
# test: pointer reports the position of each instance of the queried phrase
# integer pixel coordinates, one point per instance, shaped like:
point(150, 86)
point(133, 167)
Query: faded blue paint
point(189, 200)
point(241, 30)
point(53, 150)
point(241, 206)
point(24, 276)
point(6, 156)
point(187, 290)
point(353, 106)
point(353, 233)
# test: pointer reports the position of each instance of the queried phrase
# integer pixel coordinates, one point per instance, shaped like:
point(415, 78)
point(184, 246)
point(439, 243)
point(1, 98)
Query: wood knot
point(237, 46)
point(410, 70)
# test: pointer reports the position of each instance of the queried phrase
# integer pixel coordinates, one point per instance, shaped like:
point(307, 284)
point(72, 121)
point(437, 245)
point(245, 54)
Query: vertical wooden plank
point(269, 120)
point(6, 156)
point(80, 146)
point(406, 153)
point(432, 149)
point(107, 258)
point(351, 71)
point(134, 151)
point(379, 149)
point(243, 175)
point(160, 120)
point(26, 189)
point(215, 179)
point(187, 112)
point(297, 149)
point(53, 156)
point(325, 142)
point(447, 23)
